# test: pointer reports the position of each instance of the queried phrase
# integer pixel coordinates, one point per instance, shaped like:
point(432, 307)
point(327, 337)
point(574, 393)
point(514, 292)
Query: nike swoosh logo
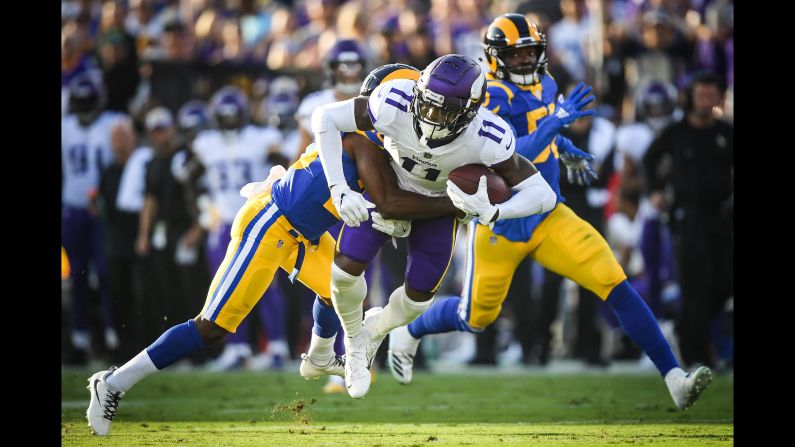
point(508, 146)
point(96, 393)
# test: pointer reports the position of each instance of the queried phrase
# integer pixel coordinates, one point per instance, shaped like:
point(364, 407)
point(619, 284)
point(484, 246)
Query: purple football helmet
point(229, 107)
point(657, 104)
point(346, 63)
point(280, 110)
point(86, 97)
point(193, 117)
point(447, 97)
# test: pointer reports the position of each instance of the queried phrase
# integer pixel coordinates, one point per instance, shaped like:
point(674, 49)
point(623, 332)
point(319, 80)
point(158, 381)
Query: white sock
point(278, 347)
point(400, 311)
point(347, 294)
point(321, 347)
point(81, 340)
point(132, 372)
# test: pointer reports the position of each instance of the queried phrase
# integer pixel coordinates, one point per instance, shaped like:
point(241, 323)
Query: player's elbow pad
point(336, 117)
point(533, 196)
point(546, 196)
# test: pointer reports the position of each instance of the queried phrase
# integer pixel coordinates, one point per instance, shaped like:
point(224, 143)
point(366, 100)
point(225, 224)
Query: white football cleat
point(314, 368)
point(104, 402)
point(370, 318)
point(359, 354)
point(686, 387)
point(357, 371)
point(400, 357)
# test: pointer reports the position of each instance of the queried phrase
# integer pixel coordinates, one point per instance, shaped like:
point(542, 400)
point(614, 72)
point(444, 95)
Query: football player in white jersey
point(231, 155)
point(346, 67)
point(85, 151)
point(430, 127)
point(279, 112)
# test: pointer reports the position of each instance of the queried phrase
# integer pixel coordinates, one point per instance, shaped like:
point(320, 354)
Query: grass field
point(270, 409)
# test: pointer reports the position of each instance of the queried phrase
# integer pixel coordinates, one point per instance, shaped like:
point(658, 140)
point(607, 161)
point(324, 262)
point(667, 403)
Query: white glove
point(351, 205)
point(392, 227)
point(476, 204)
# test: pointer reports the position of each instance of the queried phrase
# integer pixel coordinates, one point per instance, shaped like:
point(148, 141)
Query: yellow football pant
point(563, 243)
point(263, 241)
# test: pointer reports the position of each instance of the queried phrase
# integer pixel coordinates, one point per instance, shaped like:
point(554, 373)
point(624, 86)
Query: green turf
point(250, 409)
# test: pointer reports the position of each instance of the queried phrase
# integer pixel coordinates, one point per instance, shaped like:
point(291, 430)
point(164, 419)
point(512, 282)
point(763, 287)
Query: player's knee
point(342, 279)
point(209, 331)
point(347, 265)
point(418, 295)
point(607, 274)
point(479, 322)
point(465, 326)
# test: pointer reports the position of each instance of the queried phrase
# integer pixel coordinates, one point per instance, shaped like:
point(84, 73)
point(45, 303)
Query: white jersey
point(487, 140)
point(310, 103)
point(132, 185)
point(290, 141)
point(231, 161)
point(85, 151)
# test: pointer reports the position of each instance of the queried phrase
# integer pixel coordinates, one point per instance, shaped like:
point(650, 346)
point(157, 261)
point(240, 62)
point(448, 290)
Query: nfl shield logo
point(427, 155)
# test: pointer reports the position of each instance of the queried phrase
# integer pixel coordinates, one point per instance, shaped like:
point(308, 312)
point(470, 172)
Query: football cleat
point(313, 368)
point(685, 388)
point(104, 402)
point(359, 354)
point(400, 357)
point(370, 318)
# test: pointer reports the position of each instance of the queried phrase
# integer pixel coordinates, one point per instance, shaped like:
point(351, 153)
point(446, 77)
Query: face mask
point(347, 89)
point(429, 130)
point(523, 79)
point(658, 123)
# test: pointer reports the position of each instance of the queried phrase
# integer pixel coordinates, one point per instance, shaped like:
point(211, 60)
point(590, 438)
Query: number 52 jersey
point(487, 140)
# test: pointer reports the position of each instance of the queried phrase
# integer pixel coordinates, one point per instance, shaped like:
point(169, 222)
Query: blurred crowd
point(143, 234)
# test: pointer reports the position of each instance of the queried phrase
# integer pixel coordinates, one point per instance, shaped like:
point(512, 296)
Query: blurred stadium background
point(146, 54)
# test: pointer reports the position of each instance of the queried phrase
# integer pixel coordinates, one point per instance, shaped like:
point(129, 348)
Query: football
point(467, 178)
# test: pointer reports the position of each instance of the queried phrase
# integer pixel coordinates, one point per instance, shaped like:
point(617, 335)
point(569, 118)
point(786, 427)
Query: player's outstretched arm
point(380, 182)
point(327, 123)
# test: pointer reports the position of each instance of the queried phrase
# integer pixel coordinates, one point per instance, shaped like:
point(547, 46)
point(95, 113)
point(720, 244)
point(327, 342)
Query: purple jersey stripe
point(403, 94)
point(372, 117)
point(490, 124)
point(400, 106)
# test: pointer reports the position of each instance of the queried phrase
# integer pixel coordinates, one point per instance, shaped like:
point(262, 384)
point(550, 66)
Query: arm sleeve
point(327, 123)
point(533, 196)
